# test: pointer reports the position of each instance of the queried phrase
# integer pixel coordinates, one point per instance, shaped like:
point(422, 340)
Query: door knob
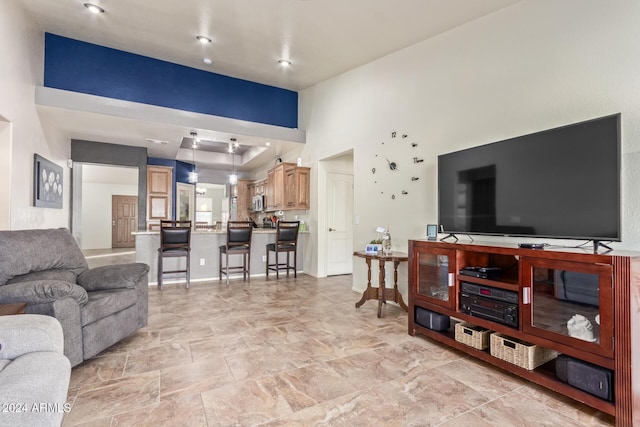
point(113, 223)
point(332, 229)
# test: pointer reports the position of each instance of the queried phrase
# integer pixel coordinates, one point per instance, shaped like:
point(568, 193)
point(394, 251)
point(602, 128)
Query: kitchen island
point(205, 252)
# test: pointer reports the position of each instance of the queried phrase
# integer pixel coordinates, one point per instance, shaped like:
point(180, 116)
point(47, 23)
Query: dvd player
point(490, 273)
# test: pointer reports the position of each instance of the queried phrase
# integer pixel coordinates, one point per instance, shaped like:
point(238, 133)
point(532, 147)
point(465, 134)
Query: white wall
point(215, 196)
point(96, 212)
point(21, 68)
point(533, 66)
point(5, 174)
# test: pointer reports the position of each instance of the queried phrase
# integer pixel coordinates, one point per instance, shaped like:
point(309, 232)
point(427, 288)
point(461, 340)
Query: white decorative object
point(580, 327)
point(386, 242)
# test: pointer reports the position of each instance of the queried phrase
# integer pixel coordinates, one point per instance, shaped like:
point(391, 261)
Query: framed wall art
point(48, 191)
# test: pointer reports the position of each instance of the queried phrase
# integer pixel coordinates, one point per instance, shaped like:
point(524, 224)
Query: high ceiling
point(321, 38)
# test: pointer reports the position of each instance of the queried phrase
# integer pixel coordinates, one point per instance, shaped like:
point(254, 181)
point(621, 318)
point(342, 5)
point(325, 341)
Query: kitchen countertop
point(205, 252)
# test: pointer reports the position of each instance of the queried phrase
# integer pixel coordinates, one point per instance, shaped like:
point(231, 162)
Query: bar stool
point(238, 243)
point(175, 241)
point(286, 241)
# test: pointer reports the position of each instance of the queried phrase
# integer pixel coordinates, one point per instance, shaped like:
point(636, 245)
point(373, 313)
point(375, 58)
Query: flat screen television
point(557, 183)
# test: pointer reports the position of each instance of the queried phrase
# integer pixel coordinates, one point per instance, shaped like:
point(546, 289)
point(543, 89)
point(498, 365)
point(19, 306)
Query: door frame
point(338, 163)
point(349, 220)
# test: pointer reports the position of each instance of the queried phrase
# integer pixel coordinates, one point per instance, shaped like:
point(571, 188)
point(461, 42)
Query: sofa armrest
point(27, 333)
point(41, 292)
point(113, 277)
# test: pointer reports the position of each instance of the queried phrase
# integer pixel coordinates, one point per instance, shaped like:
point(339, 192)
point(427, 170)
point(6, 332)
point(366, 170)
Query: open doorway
point(109, 213)
point(212, 205)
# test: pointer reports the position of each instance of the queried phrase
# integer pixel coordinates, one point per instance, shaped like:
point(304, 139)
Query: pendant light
point(193, 175)
point(233, 178)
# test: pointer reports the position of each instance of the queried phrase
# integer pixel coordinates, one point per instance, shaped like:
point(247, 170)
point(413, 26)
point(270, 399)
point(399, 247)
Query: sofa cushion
point(55, 274)
point(104, 303)
point(26, 251)
point(112, 277)
point(35, 379)
point(29, 333)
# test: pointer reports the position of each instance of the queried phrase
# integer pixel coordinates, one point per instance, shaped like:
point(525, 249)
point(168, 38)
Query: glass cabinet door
point(569, 303)
point(436, 277)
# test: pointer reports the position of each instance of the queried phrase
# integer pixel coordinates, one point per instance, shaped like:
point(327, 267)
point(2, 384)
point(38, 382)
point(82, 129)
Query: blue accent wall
point(97, 70)
point(183, 170)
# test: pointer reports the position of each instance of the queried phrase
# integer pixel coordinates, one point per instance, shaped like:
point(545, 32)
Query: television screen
point(560, 183)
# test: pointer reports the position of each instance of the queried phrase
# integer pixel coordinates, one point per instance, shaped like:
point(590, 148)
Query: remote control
point(532, 245)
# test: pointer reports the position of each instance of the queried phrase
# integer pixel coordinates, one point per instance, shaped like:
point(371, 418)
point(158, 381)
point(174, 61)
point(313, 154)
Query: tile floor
point(296, 352)
point(109, 256)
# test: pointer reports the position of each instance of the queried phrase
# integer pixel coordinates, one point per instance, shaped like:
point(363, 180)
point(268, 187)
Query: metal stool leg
point(188, 268)
point(159, 271)
point(295, 262)
point(267, 272)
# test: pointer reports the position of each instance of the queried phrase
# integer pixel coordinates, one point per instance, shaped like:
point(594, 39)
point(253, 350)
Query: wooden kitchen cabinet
point(296, 187)
point(159, 195)
point(243, 201)
point(260, 187)
point(287, 187)
point(275, 180)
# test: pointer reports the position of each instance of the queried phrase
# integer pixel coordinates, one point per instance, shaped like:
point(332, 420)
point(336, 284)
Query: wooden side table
point(382, 293)
point(9, 309)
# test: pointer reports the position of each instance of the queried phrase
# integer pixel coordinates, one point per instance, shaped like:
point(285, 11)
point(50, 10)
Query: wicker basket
point(472, 335)
point(525, 355)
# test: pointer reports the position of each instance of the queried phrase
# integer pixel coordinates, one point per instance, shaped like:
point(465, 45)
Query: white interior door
point(340, 224)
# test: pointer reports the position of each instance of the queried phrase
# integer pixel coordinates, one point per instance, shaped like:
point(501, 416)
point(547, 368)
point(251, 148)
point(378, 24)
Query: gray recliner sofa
point(96, 307)
point(34, 373)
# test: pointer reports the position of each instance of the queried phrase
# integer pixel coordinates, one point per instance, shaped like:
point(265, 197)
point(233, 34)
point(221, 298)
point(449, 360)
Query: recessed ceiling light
point(267, 144)
point(157, 141)
point(207, 61)
point(93, 8)
point(203, 39)
point(284, 62)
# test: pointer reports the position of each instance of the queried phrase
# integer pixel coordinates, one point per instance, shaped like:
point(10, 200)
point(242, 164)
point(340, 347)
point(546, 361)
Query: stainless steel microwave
point(258, 203)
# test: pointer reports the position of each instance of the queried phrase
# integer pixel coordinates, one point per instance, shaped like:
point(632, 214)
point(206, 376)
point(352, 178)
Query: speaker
point(582, 375)
point(432, 320)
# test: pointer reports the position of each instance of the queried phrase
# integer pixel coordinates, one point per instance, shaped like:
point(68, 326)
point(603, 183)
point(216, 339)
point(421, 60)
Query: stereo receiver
point(497, 305)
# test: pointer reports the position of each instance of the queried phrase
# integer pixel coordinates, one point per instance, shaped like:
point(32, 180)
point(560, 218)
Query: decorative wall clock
point(389, 169)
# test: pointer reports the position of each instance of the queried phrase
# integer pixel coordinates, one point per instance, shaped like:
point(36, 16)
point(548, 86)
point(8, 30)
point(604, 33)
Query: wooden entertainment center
point(610, 300)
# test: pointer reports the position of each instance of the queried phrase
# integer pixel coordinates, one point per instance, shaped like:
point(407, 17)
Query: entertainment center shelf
point(576, 303)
